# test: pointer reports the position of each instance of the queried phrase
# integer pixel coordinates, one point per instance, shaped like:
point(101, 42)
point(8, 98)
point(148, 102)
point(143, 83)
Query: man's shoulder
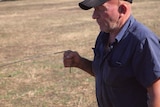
point(140, 31)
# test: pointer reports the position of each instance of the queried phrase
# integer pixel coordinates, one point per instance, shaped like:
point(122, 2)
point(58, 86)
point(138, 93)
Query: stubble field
point(32, 31)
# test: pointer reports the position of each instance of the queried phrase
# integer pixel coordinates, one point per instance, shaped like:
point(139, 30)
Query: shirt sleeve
point(146, 61)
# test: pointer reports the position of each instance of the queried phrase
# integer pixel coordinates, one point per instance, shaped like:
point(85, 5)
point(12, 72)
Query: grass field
point(36, 29)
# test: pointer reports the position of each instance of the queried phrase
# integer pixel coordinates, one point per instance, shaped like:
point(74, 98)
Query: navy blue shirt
point(128, 67)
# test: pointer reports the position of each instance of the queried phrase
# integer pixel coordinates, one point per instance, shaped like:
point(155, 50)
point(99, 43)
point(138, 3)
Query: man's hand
point(73, 59)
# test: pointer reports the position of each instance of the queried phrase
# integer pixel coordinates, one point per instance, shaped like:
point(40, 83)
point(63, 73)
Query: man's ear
point(122, 9)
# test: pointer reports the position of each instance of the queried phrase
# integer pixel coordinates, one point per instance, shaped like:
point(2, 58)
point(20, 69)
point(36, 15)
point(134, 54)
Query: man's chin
point(106, 31)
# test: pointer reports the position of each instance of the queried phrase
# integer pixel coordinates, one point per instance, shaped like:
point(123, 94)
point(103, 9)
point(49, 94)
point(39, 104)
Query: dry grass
point(32, 28)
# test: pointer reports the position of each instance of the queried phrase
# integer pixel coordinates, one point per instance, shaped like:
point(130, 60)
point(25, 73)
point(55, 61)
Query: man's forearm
point(86, 65)
point(154, 94)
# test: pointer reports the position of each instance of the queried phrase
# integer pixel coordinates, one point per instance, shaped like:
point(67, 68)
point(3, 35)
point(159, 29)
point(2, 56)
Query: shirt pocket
point(119, 73)
point(119, 61)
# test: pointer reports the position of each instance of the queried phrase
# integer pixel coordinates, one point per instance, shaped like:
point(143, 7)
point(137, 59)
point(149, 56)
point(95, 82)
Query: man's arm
point(154, 94)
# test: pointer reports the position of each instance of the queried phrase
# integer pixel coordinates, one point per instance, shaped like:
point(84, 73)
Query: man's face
point(107, 16)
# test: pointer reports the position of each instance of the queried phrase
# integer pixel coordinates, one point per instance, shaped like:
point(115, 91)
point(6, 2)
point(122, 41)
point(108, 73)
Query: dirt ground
point(31, 31)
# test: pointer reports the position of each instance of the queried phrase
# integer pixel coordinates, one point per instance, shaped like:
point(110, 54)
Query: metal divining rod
point(28, 58)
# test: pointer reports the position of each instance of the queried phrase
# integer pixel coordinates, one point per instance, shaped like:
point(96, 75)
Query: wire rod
point(28, 58)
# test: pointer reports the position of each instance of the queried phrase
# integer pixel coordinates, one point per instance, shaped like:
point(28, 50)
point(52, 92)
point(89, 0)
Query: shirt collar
point(125, 28)
point(122, 32)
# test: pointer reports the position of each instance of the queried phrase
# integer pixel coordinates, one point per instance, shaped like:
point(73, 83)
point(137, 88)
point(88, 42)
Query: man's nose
point(95, 15)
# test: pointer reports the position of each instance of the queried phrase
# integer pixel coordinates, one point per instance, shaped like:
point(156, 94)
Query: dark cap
point(88, 4)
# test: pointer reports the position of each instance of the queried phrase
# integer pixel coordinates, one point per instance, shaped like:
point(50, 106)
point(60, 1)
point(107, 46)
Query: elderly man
point(126, 63)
